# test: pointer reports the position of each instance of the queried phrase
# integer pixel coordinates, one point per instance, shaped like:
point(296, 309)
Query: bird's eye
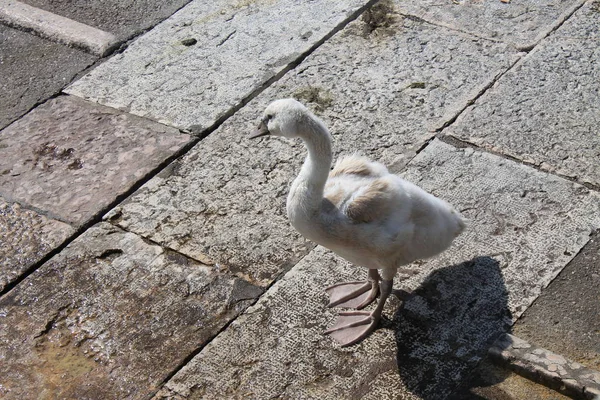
point(269, 117)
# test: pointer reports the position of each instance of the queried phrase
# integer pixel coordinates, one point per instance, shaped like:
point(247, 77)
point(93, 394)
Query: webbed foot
point(352, 326)
point(352, 294)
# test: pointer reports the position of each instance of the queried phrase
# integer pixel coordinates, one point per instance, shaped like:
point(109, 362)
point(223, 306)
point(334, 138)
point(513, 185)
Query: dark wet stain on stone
point(380, 17)
point(243, 290)
point(47, 156)
point(189, 42)
point(110, 254)
point(321, 98)
point(417, 85)
point(176, 258)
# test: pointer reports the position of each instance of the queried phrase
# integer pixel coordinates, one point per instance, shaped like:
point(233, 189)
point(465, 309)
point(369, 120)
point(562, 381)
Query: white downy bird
point(360, 211)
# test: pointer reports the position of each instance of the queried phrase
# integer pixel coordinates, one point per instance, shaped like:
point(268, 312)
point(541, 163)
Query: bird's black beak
point(261, 130)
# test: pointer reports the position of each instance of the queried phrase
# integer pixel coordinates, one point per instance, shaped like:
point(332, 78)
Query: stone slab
point(26, 238)
point(32, 70)
point(225, 200)
point(459, 303)
point(492, 382)
point(56, 27)
point(110, 317)
point(122, 18)
point(71, 158)
point(544, 111)
point(522, 23)
point(548, 368)
point(198, 65)
point(566, 317)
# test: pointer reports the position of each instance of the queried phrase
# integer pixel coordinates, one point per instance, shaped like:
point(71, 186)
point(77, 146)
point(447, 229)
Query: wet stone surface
point(33, 69)
point(522, 23)
point(111, 316)
point(240, 46)
point(71, 158)
point(544, 111)
point(26, 238)
point(459, 303)
point(224, 202)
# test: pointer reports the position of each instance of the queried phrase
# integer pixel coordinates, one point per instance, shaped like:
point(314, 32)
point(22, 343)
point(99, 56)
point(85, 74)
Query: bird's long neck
point(309, 185)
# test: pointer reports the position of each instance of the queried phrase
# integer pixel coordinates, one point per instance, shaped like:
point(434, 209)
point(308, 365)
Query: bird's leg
point(355, 294)
point(353, 326)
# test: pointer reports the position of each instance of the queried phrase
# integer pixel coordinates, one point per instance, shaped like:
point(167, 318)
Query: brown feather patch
point(352, 166)
point(372, 203)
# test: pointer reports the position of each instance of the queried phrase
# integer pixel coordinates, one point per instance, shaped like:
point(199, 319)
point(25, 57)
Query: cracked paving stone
point(545, 110)
point(26, 238)
point(521, 23)
point(111, 316)
point(459, 303)
point(240, 46)
point(33, 69)
point(71, 158)
point(224, 202)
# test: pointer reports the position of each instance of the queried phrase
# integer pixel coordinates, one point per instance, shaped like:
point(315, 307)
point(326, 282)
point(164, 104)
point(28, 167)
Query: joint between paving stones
point(461, 143)
point(203, 133)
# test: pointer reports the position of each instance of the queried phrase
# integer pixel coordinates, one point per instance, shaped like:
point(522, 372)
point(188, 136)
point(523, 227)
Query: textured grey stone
point(33, 69)
point(545, 110)
point(225, 200)
point(26, 238)
point(459, 302)
point(72, 158)
point(110, 317)
point(240, 46)
point(123, 18)
point(532, 222)
point(277, 350)
point(522, 23)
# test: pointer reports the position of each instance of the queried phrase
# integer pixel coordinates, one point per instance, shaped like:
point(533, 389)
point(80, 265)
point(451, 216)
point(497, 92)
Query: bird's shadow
point(445, 326)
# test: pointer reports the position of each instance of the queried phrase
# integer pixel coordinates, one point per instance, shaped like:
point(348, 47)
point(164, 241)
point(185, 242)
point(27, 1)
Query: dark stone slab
point(566, 317)
point(110, 317)
point(122, 18)
point(25, 237)
point(33, 69)
point(72, 158)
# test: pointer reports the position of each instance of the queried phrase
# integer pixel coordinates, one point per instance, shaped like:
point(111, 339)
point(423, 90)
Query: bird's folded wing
point(372, 203)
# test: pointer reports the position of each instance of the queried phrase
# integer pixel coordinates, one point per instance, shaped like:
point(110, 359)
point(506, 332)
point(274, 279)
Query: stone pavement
point(145, 248)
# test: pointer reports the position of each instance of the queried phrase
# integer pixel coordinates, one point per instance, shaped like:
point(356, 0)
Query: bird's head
point(284, 117)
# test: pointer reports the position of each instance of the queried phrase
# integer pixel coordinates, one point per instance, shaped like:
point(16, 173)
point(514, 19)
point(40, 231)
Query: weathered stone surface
point(277, 350)
point(123, 18)
point(522, 23)
point(522, 224)
point(544, 110)
point(492, 382)
point(566, 317)
point(226, 199)
point(73, 158)
point(26, 238)
point(33, 69)
point(240, 45)
point(532, 222)
point(110, 317)
point(550, 369)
